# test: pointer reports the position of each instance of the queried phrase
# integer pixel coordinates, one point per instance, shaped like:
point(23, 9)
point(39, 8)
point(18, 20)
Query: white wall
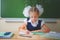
point(13, 26)
point(8, 26)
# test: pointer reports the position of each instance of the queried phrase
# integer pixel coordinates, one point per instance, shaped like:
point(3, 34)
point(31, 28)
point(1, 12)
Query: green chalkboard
point(0, 8)
point(14, 8)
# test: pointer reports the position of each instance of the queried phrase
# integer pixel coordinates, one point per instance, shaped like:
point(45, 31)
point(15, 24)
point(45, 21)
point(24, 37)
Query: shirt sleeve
point(42, 23)
point(25, 20)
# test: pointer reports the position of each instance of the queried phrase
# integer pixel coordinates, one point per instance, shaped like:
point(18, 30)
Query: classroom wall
point(13, 26)
point(8, 26)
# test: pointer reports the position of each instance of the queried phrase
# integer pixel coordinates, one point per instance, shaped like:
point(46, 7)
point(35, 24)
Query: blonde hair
point(38, 8)
point(34, 9)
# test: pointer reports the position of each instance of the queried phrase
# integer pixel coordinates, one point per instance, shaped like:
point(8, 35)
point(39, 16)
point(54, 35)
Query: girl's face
point(34, 16)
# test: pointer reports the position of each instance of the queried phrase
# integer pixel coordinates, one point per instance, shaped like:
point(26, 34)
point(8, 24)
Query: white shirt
point(34, 24)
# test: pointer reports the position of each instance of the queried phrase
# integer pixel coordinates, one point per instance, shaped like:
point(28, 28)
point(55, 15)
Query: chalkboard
point(14, 8)
point(0, 8)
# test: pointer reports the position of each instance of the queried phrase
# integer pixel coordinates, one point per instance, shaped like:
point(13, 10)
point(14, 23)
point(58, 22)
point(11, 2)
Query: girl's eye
point(33, 17)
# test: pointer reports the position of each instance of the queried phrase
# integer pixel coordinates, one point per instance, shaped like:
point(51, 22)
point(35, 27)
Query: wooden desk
point(34, 37)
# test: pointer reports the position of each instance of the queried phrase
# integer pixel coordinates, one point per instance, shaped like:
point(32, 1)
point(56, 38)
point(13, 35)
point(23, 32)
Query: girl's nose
point(33, 18)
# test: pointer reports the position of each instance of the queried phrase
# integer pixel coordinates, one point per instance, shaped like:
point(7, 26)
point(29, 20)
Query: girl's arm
point(22, 27)
point(45, 28)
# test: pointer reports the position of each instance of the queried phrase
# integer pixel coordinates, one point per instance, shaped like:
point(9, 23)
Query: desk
point(34, 37)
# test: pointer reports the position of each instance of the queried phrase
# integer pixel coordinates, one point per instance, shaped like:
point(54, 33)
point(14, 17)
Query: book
point(6, 34)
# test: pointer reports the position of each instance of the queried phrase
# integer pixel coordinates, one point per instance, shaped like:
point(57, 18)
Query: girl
point(32, 23)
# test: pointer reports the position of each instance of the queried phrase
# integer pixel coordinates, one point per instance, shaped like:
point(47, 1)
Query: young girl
point(32, 23)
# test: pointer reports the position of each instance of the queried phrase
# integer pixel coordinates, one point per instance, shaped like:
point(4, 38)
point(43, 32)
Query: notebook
point(54, 35)
point(6, 34)
point(51, 34)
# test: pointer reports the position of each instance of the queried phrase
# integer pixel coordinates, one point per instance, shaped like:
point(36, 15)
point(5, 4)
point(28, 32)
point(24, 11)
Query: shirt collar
point(32, 23)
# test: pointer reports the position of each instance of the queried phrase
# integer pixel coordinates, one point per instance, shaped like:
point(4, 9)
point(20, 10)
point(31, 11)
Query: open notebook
point(51, 34)
point(6, 34)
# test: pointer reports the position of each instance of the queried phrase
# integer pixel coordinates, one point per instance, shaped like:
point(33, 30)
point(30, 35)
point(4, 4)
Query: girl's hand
point(28, 32)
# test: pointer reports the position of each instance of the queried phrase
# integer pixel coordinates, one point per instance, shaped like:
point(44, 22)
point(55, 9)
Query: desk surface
point(34, 37)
